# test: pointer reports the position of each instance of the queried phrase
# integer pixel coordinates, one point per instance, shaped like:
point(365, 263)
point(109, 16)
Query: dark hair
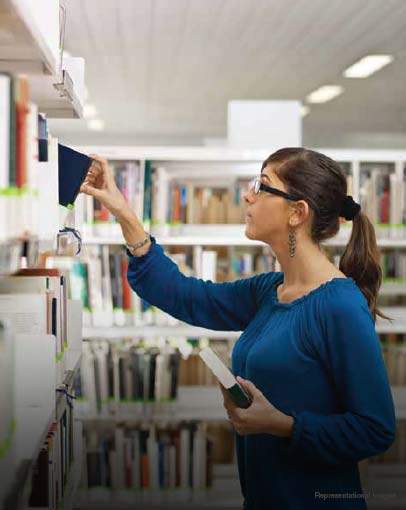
point(322, 183)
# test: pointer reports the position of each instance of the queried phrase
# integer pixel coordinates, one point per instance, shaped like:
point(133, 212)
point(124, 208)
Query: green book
point(13, 136)
point(226, 378)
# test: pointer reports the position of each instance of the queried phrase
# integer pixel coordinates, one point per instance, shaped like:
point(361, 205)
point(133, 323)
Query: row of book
point(28, 165)
point(52, 468)
point(113, 376)
point(161, 200)
point(36, 415)
point(35, 301)
point(149, 459)
point(99, 280)
point(393, 265)
point(383, 194)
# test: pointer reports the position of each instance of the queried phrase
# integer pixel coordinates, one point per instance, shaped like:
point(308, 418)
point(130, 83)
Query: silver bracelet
point(133, 247)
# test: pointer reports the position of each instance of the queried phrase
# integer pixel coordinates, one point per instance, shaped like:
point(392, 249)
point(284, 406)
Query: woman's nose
point(249, 196)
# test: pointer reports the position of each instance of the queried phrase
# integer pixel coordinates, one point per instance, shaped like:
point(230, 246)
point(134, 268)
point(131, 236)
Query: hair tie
point(349, 208)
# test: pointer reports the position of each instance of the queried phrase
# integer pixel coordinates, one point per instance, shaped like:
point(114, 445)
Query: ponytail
point(361, 261)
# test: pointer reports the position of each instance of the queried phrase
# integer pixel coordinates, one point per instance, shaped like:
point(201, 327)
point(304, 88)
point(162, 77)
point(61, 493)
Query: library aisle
point(105, 401)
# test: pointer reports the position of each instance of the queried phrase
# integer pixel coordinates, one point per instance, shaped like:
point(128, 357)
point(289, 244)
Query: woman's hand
point(100, 183)
point(261, 417)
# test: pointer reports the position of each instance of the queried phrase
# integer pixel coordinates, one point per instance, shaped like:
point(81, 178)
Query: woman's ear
point(300, 212)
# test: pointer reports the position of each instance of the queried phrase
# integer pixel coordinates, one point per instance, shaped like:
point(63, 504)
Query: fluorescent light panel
point(324, 94)
point(367, 66)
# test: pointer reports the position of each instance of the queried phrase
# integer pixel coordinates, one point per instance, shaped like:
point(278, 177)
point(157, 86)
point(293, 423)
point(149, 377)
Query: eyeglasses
point(260, 186)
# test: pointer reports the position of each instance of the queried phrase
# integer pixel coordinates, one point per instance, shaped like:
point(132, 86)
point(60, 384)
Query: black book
point(72, 170)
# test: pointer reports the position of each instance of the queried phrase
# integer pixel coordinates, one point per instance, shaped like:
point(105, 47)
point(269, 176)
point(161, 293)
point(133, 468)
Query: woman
point(309, 354)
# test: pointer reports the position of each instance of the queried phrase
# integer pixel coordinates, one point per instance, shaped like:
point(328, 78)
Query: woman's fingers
point(88, 189)
point(100, 168)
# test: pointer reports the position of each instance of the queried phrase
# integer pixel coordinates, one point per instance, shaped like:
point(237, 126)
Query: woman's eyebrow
point(265, 175)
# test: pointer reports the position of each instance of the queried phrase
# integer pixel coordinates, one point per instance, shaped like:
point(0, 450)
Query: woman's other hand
point(260, 417)
point(100, 183)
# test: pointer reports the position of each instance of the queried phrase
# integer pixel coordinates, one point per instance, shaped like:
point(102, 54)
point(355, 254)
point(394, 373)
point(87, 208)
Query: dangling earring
point(292, 242)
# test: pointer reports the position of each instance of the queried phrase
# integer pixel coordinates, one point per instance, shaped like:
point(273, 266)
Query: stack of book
point(53, 465)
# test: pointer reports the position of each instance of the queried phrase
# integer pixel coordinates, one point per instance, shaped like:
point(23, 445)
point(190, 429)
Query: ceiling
point(162, 71)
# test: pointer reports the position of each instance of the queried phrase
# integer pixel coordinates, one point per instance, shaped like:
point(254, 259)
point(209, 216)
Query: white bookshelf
point(223, 238)
point(183, 329)
point(155, 331)
point(30, 45)
point(20, 487)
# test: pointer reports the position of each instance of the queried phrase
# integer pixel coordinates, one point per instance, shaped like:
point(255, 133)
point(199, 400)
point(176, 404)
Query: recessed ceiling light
point(367, 66)
point(304, 110)
point(324, 94)
point(95, 125)
point(89, 111)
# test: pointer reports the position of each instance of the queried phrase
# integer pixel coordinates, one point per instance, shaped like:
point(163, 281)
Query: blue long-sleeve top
point(317, 358)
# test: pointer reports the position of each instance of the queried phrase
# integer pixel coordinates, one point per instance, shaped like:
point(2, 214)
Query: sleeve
point(350, 351)
point(228, 306)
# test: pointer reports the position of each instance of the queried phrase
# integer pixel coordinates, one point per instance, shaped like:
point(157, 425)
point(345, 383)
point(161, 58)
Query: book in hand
point(240, 397)
point(72, 170)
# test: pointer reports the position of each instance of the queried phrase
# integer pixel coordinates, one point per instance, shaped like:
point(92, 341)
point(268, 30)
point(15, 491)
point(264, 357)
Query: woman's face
point(267, 214)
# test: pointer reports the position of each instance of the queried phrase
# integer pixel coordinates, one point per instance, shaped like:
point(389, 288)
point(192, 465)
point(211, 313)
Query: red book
point(144, 470)
point(127, 305)
point(176, 205)
point(385, 207)
point(22, 109)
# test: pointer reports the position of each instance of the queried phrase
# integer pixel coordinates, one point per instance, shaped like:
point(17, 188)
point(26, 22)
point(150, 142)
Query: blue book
point(72, 169)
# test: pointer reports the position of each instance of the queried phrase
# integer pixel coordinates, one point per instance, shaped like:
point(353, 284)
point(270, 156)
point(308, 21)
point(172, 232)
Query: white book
point(209, 265)
point(34, 389)
point(87, 373)
point(225, 377)
point(48, 188)
point(160, 187)
point(27, 312)
point(139, 190)
point(101, 352)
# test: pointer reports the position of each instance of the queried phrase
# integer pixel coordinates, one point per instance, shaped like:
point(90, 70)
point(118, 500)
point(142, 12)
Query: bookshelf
point(30, 45)
point(41, 328)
